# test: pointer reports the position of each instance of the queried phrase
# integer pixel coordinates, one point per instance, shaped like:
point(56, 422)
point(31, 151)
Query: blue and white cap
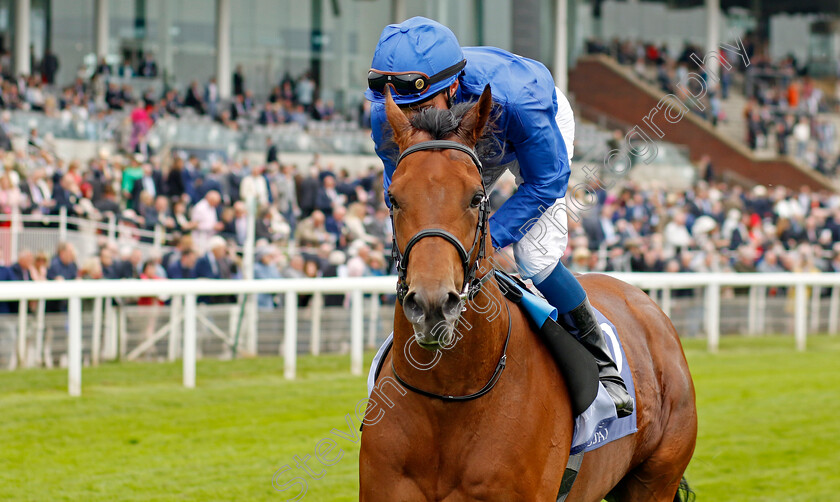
point(416, 45)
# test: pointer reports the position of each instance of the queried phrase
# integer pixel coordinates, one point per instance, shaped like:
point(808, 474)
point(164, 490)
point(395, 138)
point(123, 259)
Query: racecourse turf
point(769, 429)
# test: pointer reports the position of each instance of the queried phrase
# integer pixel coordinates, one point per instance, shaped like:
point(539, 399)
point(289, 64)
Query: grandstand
point(190, 198)
point(123, 165)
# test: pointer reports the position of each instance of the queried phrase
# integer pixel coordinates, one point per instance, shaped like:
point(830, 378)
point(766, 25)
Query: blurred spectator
point(254, 185)
point(49, 67)
point(312, 231)
point(205, 217)
point(148, 67)
point(238, 81)
point(149, 273)
point(184, 266)
point(62, 267)
point(265, 267)
point(215, 264)
point(111, 269)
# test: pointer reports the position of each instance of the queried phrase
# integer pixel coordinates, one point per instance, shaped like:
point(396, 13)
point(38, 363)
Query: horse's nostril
point(452, 304)
point(411, 307)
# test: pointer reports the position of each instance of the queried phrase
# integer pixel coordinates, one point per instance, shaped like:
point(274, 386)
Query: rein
point(471, 285)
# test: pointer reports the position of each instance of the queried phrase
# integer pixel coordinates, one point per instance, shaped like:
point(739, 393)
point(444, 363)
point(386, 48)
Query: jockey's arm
point(385, 149)
point(543, 165)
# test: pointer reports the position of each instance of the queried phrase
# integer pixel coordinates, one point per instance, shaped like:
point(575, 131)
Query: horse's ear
point(473, 122)
point(399, 122)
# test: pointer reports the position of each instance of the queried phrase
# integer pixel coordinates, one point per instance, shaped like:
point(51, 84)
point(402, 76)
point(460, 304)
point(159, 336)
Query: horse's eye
point(476, 200)
point(393, 202)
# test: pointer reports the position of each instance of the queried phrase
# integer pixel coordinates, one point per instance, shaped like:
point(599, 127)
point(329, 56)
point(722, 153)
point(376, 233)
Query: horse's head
point(439, 206)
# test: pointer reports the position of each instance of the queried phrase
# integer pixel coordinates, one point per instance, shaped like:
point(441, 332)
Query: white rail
point(657, 283)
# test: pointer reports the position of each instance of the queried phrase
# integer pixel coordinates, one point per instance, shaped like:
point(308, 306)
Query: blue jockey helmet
point(417, 58)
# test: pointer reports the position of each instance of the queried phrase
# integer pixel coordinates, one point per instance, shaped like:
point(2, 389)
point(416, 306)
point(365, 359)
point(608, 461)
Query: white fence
point(186, 313)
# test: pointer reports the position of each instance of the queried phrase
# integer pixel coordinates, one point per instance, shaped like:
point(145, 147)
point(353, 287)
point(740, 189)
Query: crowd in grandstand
point(335, 223)
point(104, 88)
point(319, 221)
point(785, 106)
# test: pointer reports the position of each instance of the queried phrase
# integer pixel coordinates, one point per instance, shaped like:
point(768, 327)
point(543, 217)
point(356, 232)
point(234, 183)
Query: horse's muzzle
point(433, 316)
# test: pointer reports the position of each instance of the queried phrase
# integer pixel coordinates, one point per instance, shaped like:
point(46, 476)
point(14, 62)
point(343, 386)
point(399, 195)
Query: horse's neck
point(470, 362)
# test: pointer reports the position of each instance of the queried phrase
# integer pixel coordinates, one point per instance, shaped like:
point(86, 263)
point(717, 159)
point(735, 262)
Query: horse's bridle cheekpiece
point(471, 285)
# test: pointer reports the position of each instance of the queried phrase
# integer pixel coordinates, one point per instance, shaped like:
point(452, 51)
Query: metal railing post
point(357, 318)
point(374, 320)
point(40, 322)
point(158, 237)
point(189, 340)
point(96, 336)
point(816, 293)
point(122, 343)
point(713, 316)
point(23, 303)
point(62, 224)
point(112, 228)
point(14, 233)
point(252, 318)
point(666, 301)
point(800, 321)
point(290, 336)
point(834, 310)
point(752, 311)
point(74, 346)
point(175, 323)
point(761, 321)
point(109, 346)
point(317, 303)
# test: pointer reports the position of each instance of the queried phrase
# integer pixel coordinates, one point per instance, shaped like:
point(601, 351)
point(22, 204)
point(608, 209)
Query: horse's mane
point(441, 123)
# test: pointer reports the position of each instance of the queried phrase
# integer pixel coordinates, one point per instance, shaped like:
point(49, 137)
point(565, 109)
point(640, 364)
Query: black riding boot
point(583, 325)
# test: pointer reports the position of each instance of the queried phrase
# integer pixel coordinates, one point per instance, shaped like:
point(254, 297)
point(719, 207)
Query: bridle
point(471, 285)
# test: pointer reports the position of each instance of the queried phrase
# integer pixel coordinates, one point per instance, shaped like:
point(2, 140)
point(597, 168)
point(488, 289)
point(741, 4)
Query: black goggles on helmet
point(406, 83)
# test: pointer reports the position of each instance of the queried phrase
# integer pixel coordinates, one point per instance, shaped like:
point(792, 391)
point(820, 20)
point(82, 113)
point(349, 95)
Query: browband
point(440, 144)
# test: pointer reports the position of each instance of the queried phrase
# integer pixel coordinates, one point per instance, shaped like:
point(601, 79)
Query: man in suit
point(148, 67)
point(151, 182)
point(19, 271)
point(238, 81)
point(7, 307)
point(62, 268)
point(111, 268)
point(211, 97)
point(214, 181)
point(159, 215)
point(49, 67)
point(237, 108)
point(189, 173)
point(184, 266)
point(233, 181)
point(35, 192)
point(272, 154)
point(214, 264)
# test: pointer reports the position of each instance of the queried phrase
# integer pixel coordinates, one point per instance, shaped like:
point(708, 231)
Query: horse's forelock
point(441, 123)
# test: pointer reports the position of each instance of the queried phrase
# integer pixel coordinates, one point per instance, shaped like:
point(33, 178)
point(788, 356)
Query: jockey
point(535, 124)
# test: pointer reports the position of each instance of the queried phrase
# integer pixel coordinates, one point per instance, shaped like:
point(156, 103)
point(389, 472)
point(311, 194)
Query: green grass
point(768, 427)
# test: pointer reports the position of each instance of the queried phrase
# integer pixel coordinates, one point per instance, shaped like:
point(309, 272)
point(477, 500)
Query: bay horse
point(458, 427)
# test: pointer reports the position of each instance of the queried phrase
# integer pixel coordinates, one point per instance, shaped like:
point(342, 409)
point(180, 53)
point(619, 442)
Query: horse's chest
point(492, 460)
